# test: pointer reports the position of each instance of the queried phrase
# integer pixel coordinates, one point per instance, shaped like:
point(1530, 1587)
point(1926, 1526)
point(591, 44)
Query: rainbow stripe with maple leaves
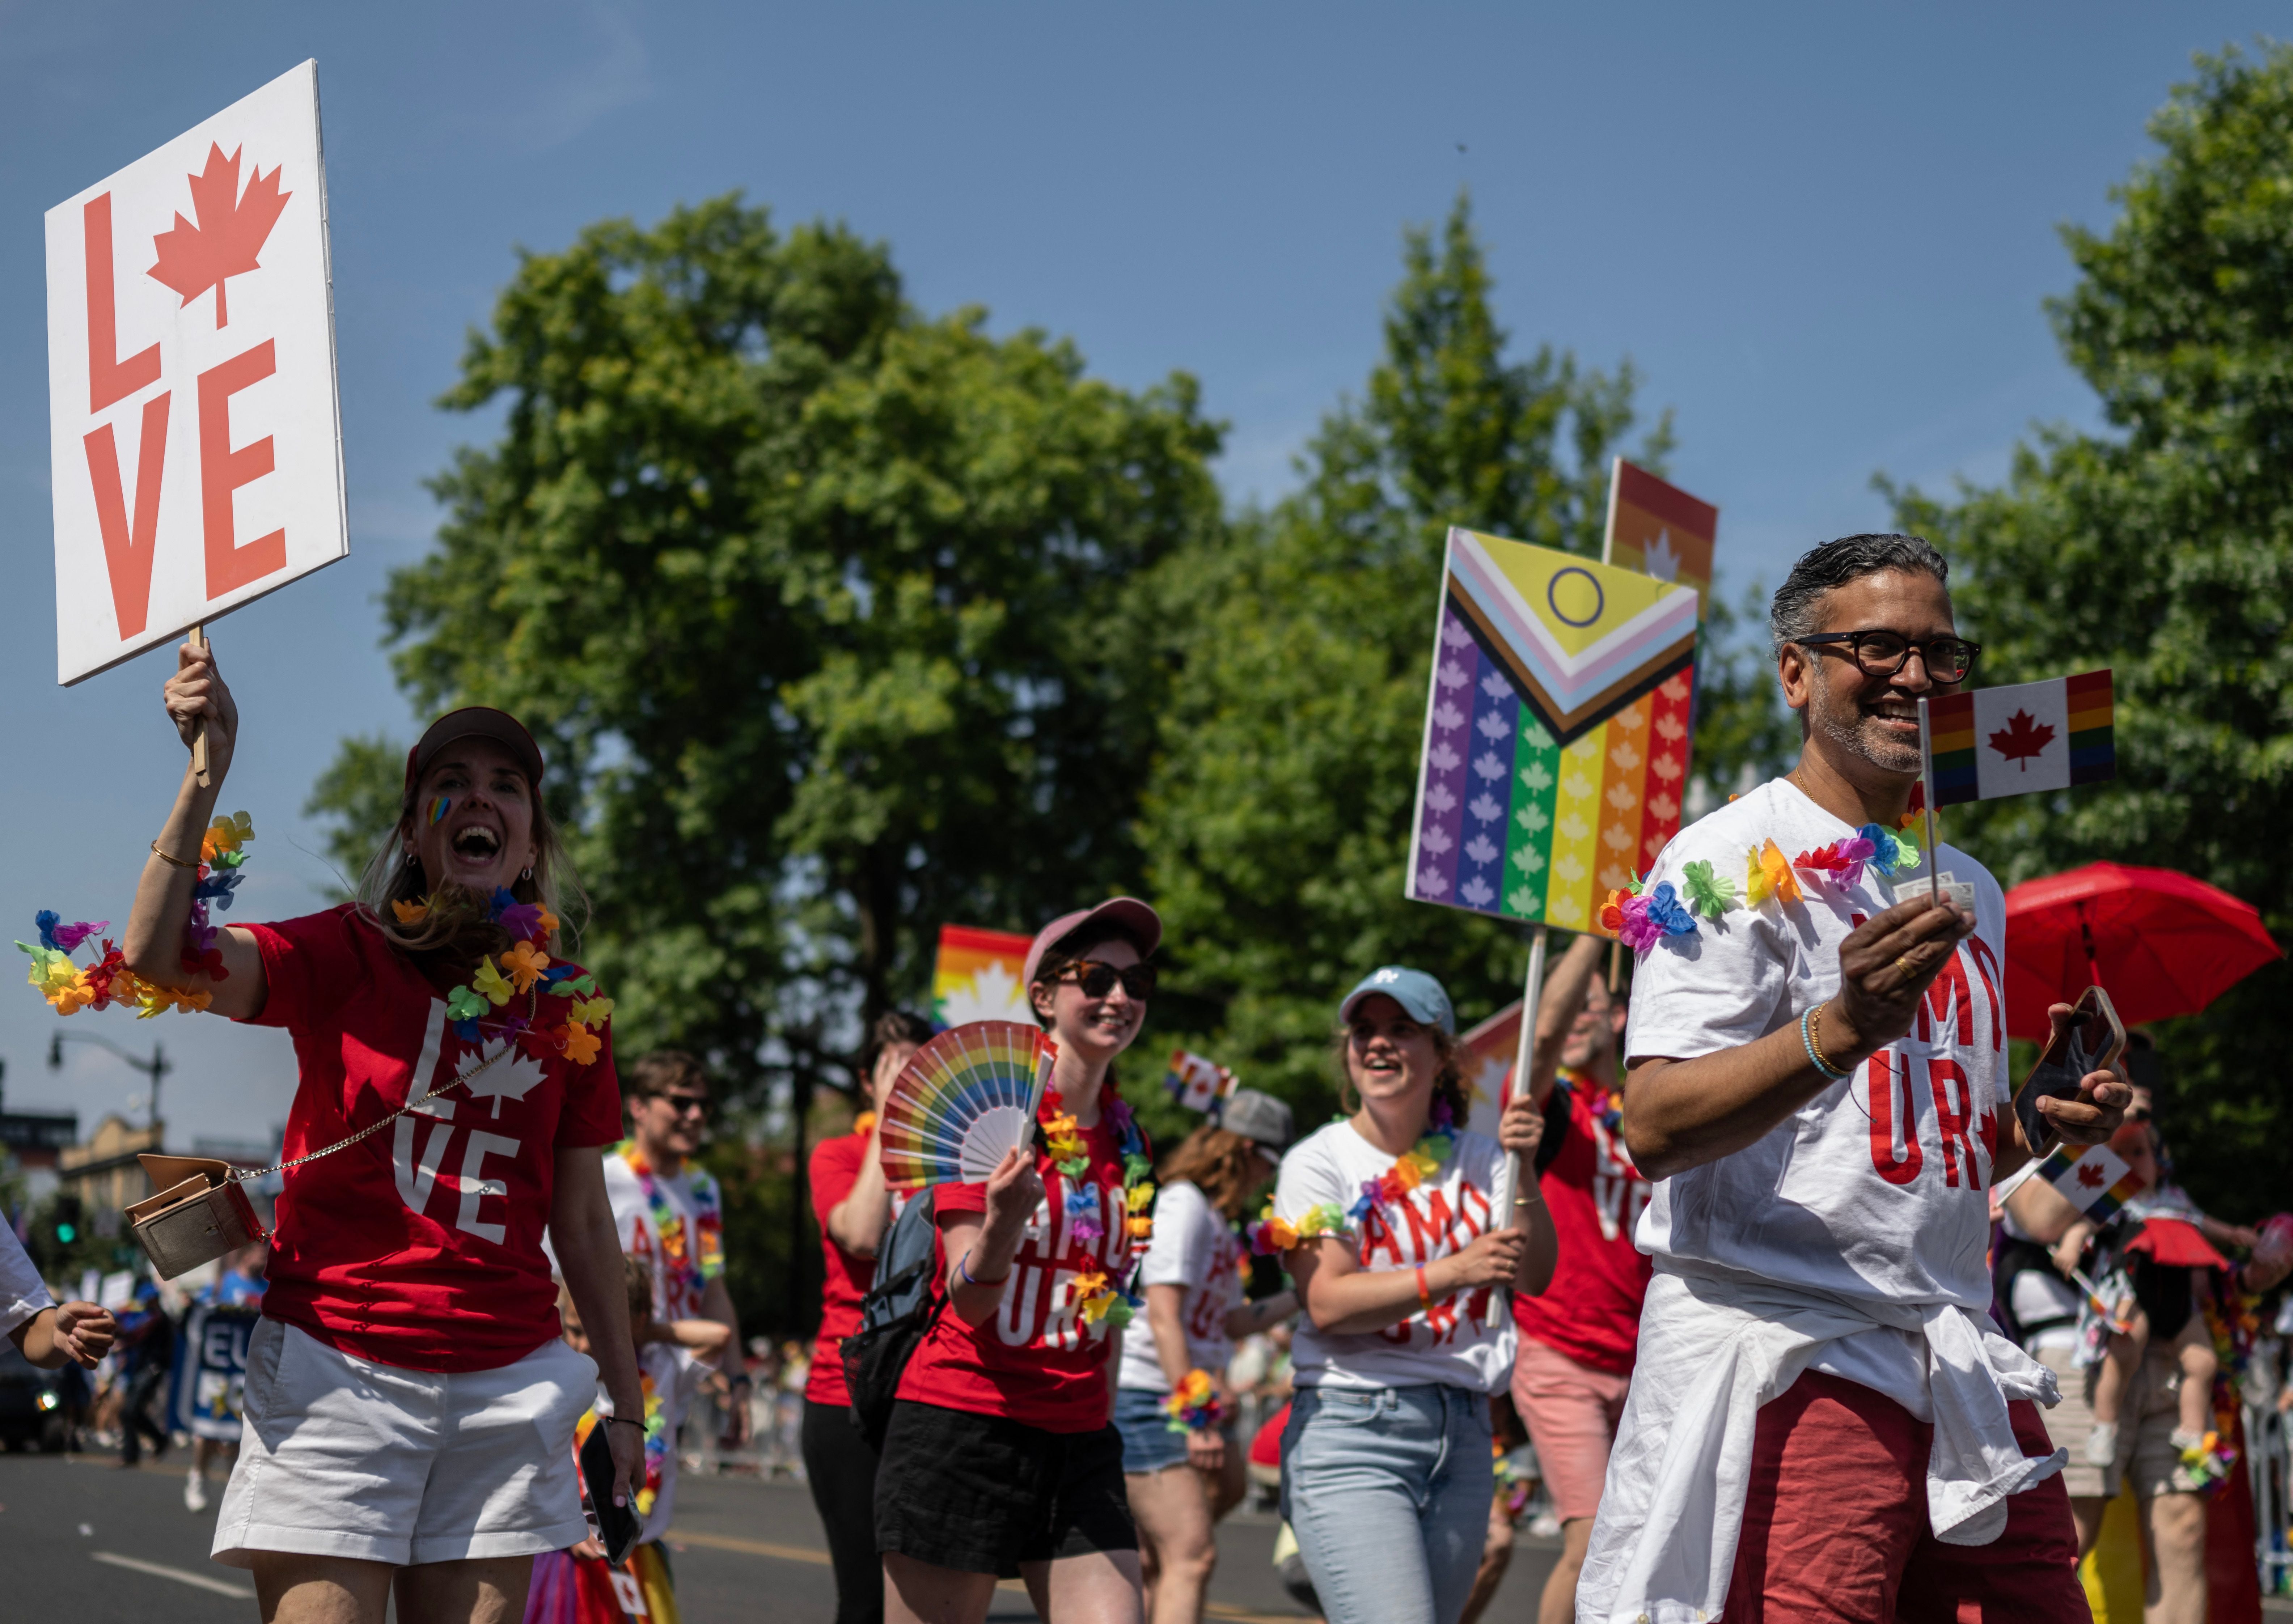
point(1513, 825)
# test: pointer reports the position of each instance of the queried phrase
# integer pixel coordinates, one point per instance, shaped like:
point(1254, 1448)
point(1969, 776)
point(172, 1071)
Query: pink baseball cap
point(1129, 912)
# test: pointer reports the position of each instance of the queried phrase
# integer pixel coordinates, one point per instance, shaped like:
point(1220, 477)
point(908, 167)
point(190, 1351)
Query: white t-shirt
point(1453, 1346)
point(1193, 1247)
point(1878, 1187)
point(693, 1206)
point(21, 1293)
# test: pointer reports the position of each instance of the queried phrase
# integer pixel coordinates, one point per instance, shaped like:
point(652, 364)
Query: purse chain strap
point(239, 1177)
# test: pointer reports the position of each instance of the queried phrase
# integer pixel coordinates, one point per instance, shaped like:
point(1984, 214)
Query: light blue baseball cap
point(1414, 990)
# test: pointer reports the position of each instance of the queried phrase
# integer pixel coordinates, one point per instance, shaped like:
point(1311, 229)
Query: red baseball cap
point(1129, 912)
point(475, 722)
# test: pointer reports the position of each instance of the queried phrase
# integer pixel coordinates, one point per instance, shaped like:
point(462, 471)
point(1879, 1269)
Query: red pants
point(1835, 1524)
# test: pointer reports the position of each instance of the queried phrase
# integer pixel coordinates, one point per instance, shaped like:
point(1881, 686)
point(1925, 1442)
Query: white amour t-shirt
point(1453, 1345)
point(1193, 1247)
point(1878, 1186)
point(673, 1297)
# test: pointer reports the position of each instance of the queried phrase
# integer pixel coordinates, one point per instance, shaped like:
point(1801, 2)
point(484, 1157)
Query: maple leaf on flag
point(2021, 738)
point(230, 232)
point(2090, 1176)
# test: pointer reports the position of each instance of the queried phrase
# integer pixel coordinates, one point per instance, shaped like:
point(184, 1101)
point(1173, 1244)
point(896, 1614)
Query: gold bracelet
point(172, 859)
point(1815, 1042)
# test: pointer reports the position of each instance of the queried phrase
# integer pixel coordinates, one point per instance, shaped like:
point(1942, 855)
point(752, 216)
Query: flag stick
point(1928, 796)
point(199, 732)
point(1046, 1057)
point(1532, 989)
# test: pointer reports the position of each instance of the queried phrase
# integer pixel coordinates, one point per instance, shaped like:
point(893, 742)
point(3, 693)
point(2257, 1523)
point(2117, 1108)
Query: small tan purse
point(202, 1210)
point(199, 1213)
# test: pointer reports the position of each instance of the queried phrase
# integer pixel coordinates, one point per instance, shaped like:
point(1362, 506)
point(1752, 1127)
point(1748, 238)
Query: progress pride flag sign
point(195, 425)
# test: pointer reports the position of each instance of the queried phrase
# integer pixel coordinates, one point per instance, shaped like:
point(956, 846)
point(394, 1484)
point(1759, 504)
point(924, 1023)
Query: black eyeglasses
point(1882, 653)
point(1098, 980)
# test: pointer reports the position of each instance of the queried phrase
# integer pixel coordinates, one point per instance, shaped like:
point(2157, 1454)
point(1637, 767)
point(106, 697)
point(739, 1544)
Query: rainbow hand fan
point(969, 1095)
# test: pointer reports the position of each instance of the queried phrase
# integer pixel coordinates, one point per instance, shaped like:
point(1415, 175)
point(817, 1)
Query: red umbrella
point(2163, 943)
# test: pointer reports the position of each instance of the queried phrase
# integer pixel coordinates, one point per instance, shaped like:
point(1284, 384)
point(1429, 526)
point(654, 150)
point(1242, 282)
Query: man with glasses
point(667, 1210)
point(1821, 1424)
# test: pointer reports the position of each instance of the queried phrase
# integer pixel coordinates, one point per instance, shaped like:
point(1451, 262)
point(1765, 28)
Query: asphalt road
point(90, 1542)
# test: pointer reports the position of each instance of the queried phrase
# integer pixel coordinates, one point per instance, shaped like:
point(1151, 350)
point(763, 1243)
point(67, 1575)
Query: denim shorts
point(1149, 1443)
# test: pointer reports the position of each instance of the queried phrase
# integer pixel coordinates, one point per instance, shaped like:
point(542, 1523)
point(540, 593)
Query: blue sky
point(1822, 233)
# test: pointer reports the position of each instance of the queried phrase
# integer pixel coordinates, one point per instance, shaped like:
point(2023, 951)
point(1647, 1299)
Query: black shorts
point(981, 1494)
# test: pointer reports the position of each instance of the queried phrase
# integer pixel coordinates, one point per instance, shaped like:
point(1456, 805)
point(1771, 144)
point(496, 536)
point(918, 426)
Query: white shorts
point(341, 1457)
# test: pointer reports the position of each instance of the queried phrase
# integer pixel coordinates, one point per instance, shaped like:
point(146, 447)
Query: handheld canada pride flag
point(2002, 741)
point(2092, 1178)
point(976, 976)
point(1660, 529)
point(195, 435)
point(1556, 731)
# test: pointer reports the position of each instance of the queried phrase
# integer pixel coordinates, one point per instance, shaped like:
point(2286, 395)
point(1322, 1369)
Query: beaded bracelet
point(1814, 1052)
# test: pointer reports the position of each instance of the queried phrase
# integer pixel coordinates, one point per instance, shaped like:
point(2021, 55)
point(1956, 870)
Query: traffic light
point(67, 1218)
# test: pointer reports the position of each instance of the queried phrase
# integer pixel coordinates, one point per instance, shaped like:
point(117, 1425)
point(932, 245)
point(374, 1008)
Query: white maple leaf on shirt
point(512, 1076)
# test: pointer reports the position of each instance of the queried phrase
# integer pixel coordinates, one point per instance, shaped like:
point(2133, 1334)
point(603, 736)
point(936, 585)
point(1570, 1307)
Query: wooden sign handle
point(199, 735)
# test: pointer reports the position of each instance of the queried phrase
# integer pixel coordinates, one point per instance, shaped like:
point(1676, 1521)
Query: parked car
point(35, 1404)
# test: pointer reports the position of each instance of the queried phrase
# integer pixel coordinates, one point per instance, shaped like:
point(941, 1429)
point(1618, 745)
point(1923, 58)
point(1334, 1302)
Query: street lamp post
point(155, 1068)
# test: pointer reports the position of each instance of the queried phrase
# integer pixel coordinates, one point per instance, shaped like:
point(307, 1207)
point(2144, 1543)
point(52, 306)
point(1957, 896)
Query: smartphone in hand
point(618, 1526)
point(2094, 1040)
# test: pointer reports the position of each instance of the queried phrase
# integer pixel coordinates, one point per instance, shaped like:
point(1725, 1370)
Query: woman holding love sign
point(410, 1408)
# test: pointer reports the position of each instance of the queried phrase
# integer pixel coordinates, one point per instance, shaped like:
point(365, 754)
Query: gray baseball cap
point(1257, 1116)
point(1414, 990)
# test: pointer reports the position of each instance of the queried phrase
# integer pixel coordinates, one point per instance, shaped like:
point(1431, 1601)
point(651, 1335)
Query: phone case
point(618, 1527)
point(2094, 1041)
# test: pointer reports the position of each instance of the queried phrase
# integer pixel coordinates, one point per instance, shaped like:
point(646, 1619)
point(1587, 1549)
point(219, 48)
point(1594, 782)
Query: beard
point(1843, 723)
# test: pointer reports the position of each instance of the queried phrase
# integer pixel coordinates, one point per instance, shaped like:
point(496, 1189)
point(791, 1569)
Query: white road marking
point(181, 1576)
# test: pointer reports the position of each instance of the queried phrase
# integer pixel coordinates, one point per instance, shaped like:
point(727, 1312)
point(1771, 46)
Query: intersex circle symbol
point(1552, 594)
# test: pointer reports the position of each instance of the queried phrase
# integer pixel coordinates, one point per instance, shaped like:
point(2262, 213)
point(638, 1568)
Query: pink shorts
point(1835, 1524)
point(1571, 1412)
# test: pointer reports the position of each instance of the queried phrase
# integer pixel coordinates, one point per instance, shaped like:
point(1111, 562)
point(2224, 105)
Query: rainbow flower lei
point(704, 1259)
point(1411, 1167)
point(71, 987)
point(1100, 1297)
point(1640, 916)
point(1193, 1406)
point(1271, 1235)
point(525, 967)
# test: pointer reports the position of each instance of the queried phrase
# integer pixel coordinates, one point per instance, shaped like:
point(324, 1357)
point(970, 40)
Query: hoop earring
point(525, 873)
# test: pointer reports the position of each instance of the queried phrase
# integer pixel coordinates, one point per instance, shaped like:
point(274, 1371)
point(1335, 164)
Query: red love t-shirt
point(1034, 1360)
point(836, 1167)
point(1591, 1309)
point(420, 1245)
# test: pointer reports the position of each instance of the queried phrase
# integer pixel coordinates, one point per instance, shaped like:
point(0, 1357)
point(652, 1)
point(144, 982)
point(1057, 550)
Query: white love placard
point(195, 421)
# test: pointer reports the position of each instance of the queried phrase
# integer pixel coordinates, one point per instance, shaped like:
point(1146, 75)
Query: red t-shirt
point(836, 1167)
point(1591, 1309)
point(1034, 1360)
point(420, 1245)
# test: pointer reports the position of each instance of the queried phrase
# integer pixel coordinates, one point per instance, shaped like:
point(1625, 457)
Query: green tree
point(1276, 826)
point(2164, 550)
point(817, 603)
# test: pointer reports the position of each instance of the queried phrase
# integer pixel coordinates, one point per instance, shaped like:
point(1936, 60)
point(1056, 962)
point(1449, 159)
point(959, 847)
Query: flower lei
point(1411, 1167)
point(1100, 1297)
point(1193, 1406)
point(704, 1261)
point(1640, 915)
point(72, 987)
point(1270, 1234)
point(525, 967)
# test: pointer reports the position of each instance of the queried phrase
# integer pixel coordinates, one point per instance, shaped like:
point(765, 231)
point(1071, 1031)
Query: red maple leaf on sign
point(230, 232)
point(2089, 1175)
point(2021, 738)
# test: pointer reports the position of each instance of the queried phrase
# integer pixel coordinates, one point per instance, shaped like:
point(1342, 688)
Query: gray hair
point(1792, 613)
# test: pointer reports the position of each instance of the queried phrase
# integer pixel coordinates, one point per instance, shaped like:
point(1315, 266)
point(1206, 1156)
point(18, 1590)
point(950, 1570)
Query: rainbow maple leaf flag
point(1660, 529)
point(2001, 741)
point(1556, 731)
point(2092, 1178)
point(976, 976)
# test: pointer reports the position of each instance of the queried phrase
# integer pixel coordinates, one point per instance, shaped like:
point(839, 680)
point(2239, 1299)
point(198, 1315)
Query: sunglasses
point(685, 1104)
point(1882, 653)
point(1098, 980)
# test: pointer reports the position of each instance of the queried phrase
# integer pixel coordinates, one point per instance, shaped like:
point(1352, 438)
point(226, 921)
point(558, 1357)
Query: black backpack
point(895, 1316)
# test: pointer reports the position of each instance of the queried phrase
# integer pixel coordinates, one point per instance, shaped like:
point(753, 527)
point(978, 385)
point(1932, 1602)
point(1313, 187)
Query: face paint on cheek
point(438, 808)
